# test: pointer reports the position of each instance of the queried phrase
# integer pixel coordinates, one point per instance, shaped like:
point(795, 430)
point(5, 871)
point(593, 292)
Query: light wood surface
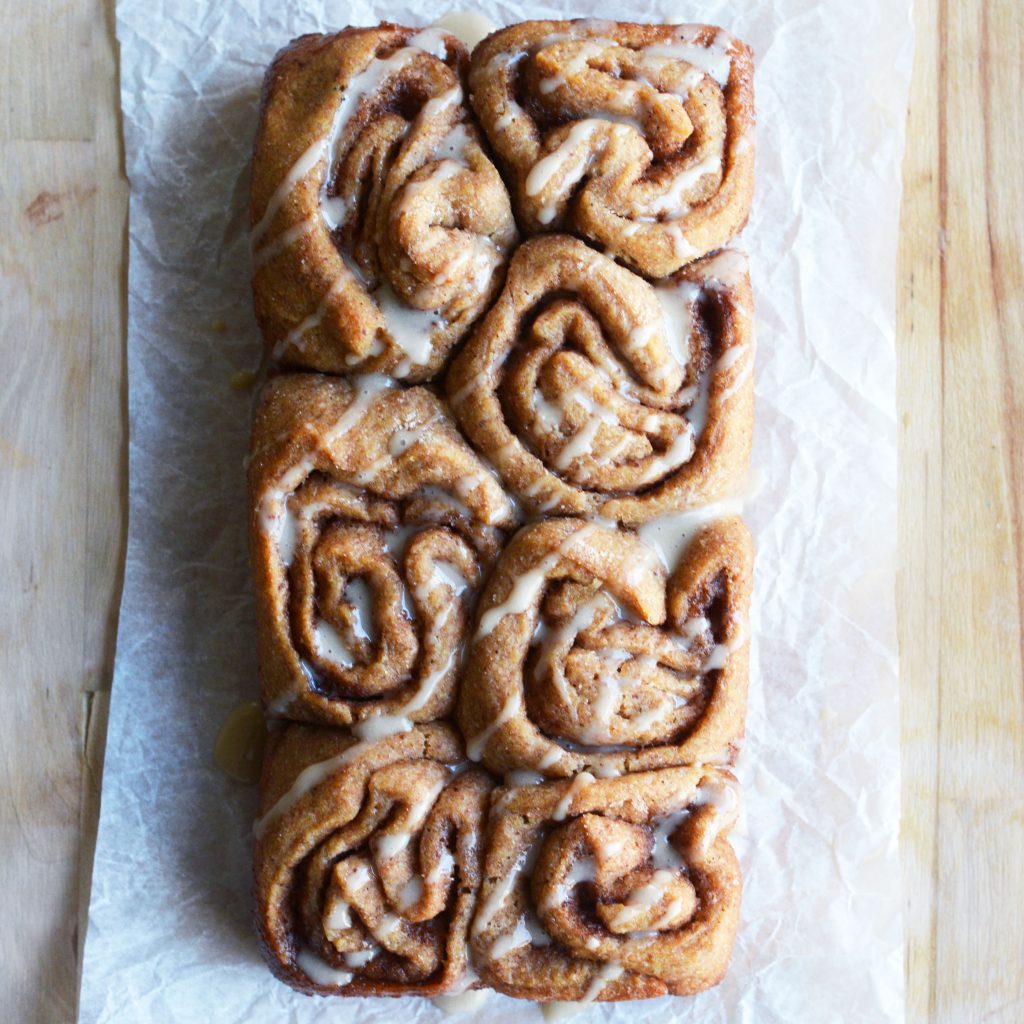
point(961, 573)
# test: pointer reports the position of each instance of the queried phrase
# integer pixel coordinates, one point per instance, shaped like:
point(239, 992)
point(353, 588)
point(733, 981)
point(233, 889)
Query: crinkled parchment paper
point(170, 937)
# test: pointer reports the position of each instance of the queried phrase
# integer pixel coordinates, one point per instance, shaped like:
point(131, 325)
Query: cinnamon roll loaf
point(637, 137)
point(586, 656)
point(592, 391)
point(608, 889)
point(367, 860)
point(380, 228)
point(371, 520)
point(498, 753)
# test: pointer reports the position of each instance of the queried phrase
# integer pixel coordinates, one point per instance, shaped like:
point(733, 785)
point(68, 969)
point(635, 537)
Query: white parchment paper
point(169, 935)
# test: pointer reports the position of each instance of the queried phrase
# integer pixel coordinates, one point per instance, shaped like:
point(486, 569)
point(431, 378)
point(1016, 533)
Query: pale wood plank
point(47, 206)
point(107, 482)
point(62, 454)
point(46, 54)
point(961, 401)
point(919, 579)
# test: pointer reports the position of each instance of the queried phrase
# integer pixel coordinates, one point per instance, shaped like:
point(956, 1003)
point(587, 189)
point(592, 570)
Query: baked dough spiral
point(367, 860)
point(609, 889)
point(594, 392)
point(380, 228)
point(371, 520)
point(637, 137)
point(586, 658)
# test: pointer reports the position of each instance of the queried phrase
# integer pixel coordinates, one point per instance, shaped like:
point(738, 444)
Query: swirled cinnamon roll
point(371, 520)
point(592, 391)
point(585, 657)
point(367, 860)
point(638, 137)
point(608, 889)
point(380, 227)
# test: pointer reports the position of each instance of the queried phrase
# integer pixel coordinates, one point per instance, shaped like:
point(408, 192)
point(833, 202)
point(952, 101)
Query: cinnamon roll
point(608, 889)
point(380, 228)
point(592, 391)
point(637, 137)
point(585, 657)
point(367, 860)
point(370, 522)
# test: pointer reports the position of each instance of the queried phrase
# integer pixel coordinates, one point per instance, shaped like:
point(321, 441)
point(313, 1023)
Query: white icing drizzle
point(294, 338)
point(642, 899)
point(361, 957)
point(286, 239)
point(296, 173)
point(560, 1010)
point(439, 105)
point(671, 201)
point(724, 799)
point(469, 26)
point(339, 918)
point(360, 878)
point(720, 652)
point(712, 58)
point(461, 1002)
point(576, 64)
point(444, 866)
point(582, 441)
point(565, 635)
point(504, 944)
point(526, 587)
point(520, 777)
point(330, 645)
point(445, 497)
point(319, 971)
point(389, 924)
point(390, 844)
point(475, 745)
point(410, 329)
point(678, 452)
point(461, 996)
point(376, 727)
point(681, 245)
point(579, 783)
point(471, 385)
point(670, 535)
point(276, 521)
point(497, 896)
point(551, 165)
point(306, 780)
point(741, 378)
point(552, 757)
point(729, 358)
point(584, 869)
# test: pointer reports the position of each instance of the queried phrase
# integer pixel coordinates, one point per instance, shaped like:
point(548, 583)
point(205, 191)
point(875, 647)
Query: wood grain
point(961, 573)
point(62, 446)
point(961, 323)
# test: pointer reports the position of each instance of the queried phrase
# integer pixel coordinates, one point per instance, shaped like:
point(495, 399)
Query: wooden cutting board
point(961, 389)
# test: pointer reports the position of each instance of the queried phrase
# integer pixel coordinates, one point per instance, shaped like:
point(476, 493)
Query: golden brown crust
point(638, 137)
point(367, 860)
point(380, 228)
point(370, 521)
point(608, 376)
point(609, 889)
point(592, 392)
point(584, 658)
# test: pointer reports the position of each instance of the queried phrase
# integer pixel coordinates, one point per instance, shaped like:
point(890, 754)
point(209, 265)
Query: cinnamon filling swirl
point(380, 227)
point(638, 137)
